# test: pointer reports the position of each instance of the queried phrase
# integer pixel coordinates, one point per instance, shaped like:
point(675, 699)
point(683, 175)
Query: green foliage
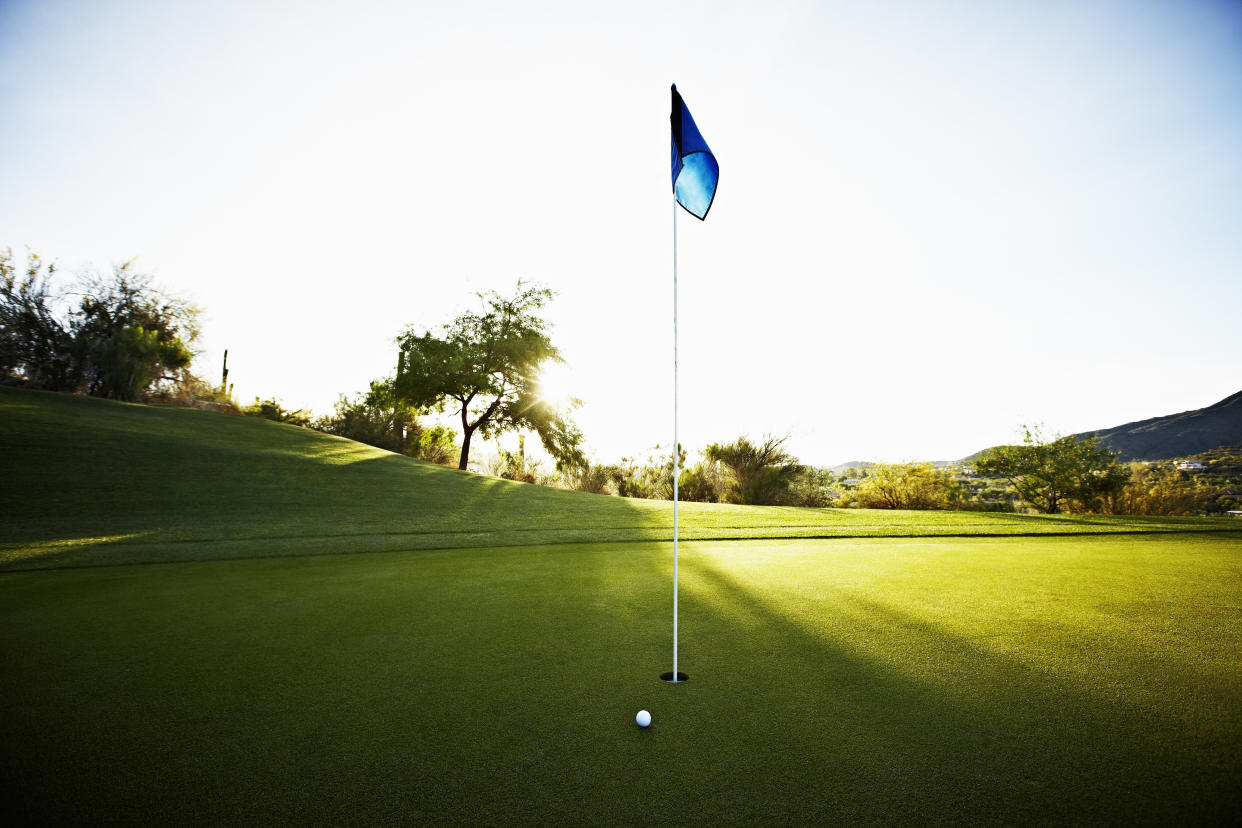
point(435, 444)
point(761, 474)
point(1222, 466)
point(590, 477)
point(194, 389)
point(124, 340)
point(382, 419)
point(986, 494)
point(129, 361)
point(814, 488)
point(1051, 475)
point(1162, 489)
point(129, 336)
point(515, 465)
point(651, 478)
point(636, 480)
point(906, 486)
point(709, 480)
point(703, 482)
point(272, 409)
point(487, 365)
point(35, 344)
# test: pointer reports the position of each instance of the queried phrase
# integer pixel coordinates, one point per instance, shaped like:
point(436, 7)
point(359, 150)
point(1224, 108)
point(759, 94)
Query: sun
point(555, 384)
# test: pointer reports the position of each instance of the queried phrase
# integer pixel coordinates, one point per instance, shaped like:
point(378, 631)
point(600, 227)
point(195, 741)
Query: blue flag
point(695, 171)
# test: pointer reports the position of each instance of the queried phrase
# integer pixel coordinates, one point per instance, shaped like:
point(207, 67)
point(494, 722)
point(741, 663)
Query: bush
point(276, 412)
point(1161, 489)
point(906, 486)
point(378, 418)
point(437, 444)
point(815, 488)
point(591, 478)
point(195, 392)
point(760, 473)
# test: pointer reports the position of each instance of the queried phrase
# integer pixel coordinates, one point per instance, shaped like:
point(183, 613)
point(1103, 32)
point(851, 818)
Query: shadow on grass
point(500, 686)
point(910, 721)
point(223, 491)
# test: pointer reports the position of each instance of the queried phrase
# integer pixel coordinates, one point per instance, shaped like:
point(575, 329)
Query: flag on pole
point(695, 171)
point(695, 174)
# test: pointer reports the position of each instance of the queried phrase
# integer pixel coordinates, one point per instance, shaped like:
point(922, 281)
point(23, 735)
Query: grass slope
point(999, 676)
point(89, 482)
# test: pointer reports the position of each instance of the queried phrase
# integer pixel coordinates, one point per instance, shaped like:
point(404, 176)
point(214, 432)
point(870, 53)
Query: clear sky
point(936, 220)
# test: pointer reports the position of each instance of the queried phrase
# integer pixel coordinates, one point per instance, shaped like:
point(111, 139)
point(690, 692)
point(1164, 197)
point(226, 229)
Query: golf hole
point(669, 677)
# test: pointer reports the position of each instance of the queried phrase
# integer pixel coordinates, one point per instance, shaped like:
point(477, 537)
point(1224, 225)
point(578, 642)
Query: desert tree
point(1051, 474)
point(35, 341)
point(760, 472)
point(130, 336)
point(485, 366)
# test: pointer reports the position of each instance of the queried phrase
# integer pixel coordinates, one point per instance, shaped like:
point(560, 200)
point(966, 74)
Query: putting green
point(1024, 679)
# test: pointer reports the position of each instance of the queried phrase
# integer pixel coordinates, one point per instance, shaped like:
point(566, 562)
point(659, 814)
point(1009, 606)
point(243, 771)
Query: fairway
point(212, 620)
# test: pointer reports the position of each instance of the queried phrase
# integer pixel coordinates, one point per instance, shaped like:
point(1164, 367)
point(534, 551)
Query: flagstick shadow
point(921, 720)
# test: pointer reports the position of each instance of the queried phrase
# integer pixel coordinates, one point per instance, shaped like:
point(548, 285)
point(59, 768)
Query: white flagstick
point(676, 444)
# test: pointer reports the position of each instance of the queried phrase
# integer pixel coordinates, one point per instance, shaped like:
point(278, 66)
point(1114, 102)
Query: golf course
point(218, 620)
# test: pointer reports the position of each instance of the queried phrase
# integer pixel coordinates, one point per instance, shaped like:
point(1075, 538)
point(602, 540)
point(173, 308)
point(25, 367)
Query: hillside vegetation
point(90, 481)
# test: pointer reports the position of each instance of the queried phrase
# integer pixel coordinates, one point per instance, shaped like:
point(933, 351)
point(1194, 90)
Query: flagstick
point(676, 444)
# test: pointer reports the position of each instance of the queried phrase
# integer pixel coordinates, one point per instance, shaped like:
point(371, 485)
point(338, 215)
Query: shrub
point(276, 412)
point(906, 486)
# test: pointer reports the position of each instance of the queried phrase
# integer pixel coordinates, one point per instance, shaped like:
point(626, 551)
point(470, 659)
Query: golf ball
point(643, 718)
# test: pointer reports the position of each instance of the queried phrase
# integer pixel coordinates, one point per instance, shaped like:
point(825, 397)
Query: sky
point(936, 221)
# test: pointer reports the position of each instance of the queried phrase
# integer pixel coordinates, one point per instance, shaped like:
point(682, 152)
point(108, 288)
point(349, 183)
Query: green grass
point(980, 678)
point(91, 482)
point(907, 680)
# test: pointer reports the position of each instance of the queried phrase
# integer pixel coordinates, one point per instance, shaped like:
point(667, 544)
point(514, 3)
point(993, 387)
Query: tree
point(761, 473)
point(487, 364)
point(124, 338)
point(129, 336)
point(35, 345)
point(1049, 474)
point(905, 486)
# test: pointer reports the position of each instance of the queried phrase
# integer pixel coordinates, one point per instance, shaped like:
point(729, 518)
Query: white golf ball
point(643, 718)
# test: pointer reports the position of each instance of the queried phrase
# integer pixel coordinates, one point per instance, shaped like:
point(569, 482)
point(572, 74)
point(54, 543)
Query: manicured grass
point(185, 639)
point(92, 482)
point(931, 680)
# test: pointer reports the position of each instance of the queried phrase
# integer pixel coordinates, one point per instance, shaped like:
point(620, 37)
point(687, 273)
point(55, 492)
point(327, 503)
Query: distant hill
point(1172, 436)
point(863, 465)
point(1176, 435)
point(842, 468)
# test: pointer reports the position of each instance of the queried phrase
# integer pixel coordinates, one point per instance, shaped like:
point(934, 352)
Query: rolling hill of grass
point(236, 663)
point(89, 481)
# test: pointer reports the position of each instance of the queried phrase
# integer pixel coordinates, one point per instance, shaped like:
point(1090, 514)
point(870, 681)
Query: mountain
point(1176, 435)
